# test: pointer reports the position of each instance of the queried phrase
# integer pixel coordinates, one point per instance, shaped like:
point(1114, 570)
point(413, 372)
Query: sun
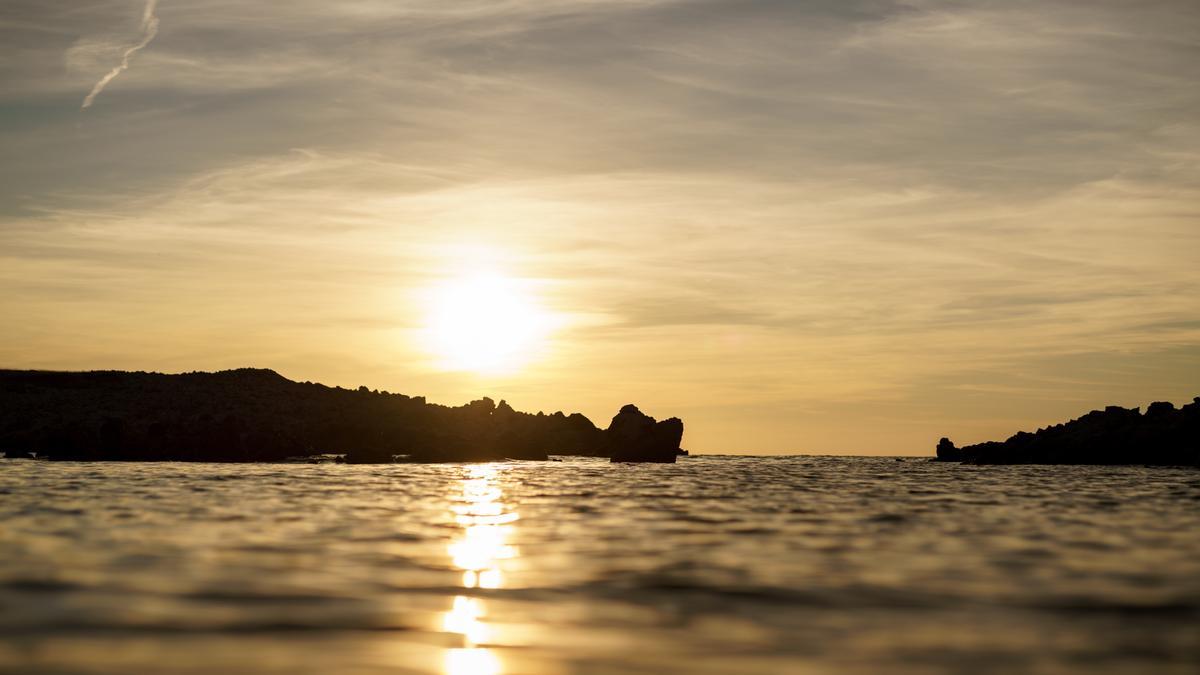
point(485, 323)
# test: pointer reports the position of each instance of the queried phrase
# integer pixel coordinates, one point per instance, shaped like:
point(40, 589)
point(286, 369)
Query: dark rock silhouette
point(1163, 436)
point(634, 436)
point(946, 452)
point(253, 415)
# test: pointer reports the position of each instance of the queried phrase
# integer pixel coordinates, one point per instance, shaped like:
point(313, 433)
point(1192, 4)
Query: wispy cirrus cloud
point(149, 31)
point(946, 214)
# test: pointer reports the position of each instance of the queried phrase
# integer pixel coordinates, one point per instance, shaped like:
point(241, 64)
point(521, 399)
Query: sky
point(828, 226)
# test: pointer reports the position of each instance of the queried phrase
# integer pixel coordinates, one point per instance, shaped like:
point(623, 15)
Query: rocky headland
point(1164, 435)
point(256, 415)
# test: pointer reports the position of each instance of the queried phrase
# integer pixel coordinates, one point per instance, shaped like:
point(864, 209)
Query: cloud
point(149, 30)
point(837, 208)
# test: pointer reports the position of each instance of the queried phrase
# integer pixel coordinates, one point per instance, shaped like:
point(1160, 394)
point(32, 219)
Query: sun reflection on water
point(476, 661)
point(478, 551)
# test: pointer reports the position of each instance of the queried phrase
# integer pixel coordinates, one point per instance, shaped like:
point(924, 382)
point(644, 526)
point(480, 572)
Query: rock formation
point(634, 436)
point(946, 452)
point(1164, 435)
point(252, 415)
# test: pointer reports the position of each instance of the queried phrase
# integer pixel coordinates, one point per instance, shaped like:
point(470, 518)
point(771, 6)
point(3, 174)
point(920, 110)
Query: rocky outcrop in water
point(634, 436)
point(946, 452)
point(253, 415)
point(1163, 435)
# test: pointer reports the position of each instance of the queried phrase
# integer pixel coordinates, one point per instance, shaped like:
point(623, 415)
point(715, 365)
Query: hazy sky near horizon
point(822, 226)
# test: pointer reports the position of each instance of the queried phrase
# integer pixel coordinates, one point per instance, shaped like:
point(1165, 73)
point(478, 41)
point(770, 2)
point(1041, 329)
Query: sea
point(716, 564)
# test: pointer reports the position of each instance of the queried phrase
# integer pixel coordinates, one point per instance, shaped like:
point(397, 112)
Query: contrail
point(149, 30)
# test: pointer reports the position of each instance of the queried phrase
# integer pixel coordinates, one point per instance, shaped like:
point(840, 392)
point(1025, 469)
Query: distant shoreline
point(257, 415)
point(1163, 436)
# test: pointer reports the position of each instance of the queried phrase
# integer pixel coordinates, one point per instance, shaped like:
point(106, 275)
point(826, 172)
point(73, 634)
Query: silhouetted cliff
point(634, 436)
point(1163, 436)
point(252, 415)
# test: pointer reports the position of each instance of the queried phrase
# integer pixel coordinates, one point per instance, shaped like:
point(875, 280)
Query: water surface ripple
point(712, 565)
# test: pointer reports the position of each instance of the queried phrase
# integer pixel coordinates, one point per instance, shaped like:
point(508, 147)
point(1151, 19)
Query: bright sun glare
point(484, 323)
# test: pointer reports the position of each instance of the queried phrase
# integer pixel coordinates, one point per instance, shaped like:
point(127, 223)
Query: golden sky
point(823, 227)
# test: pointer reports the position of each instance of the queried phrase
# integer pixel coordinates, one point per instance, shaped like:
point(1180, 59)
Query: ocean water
point(712, 565)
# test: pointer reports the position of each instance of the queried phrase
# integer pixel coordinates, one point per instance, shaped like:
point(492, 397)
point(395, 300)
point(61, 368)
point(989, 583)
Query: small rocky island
point(255, 415)
point(1163, 436)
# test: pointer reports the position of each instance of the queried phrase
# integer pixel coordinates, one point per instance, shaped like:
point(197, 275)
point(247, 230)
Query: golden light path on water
point(478, 552)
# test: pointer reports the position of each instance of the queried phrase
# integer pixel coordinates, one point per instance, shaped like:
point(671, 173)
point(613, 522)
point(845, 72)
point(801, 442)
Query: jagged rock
point(255, 415)
point(1164, 435)
point(946, 452)
point(1159, 409)
point(634, 436)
